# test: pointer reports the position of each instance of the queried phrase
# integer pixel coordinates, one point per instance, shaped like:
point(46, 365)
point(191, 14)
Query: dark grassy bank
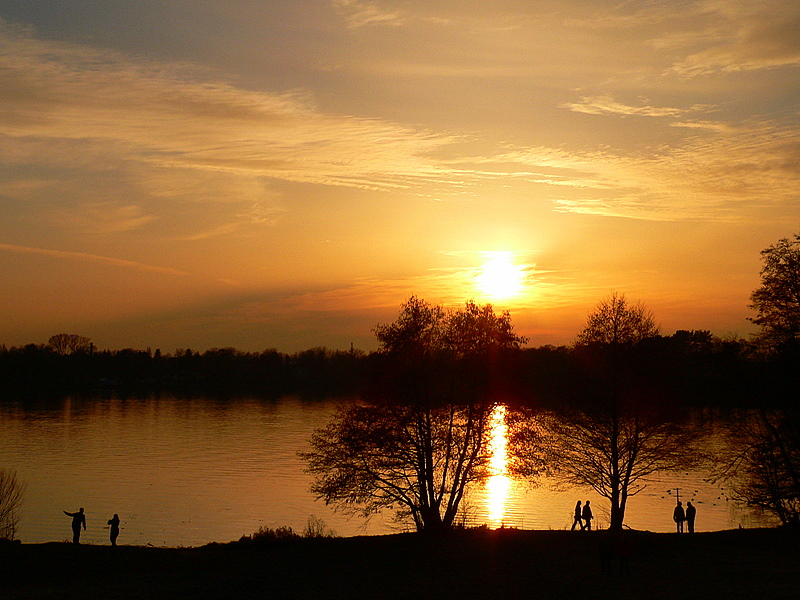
point(477, 564)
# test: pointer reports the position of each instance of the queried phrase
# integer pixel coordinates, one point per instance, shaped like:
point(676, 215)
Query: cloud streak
point(599, 105)
point(91, 258)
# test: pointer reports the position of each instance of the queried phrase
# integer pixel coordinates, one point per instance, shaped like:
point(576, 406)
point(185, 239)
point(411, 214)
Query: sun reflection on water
point(498, 485)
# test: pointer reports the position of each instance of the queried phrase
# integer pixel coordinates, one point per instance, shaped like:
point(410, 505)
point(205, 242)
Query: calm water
point(188, 472)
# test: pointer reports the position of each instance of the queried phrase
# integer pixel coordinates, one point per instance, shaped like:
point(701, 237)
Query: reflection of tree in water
point(762, 464)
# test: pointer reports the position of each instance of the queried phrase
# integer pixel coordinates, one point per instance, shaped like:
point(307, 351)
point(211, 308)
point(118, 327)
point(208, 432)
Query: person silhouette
point(679, 516)
point(691, 513)
point(114, 522)
point(78, 519)
point(578, 520)
point(587, 517)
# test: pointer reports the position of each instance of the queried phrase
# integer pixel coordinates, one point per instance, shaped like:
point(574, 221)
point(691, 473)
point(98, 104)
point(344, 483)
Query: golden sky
point(271, 174)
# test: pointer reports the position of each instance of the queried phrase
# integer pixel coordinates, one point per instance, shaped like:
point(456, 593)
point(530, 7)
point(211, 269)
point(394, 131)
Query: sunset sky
point(284, 174)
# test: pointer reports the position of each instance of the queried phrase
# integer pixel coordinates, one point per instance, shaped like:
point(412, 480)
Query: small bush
point(267, 534)
point(316, 528)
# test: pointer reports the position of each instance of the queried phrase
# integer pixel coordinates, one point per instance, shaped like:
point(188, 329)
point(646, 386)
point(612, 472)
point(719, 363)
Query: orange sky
point(271, 174)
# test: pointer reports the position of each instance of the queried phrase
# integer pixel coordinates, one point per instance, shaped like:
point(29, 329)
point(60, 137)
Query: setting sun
point(499, 277)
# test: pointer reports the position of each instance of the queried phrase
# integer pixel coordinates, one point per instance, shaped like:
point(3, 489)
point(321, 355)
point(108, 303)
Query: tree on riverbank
point(615, 321)
point(617, 426)
point(777, 301)
point(762, 462)
point(65, 343)
point(422, 439)
point(12, 491)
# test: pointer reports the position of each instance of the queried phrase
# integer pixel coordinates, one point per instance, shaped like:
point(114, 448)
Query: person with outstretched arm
point(78, 519)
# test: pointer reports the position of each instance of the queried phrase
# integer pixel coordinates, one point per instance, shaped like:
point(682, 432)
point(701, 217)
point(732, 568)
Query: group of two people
point(583, 516)
point(79, 520)
point(679, 515)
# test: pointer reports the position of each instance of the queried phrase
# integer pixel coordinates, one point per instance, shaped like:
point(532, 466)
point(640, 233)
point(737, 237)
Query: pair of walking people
point(583, 516)
point(681, 516)
point(79, 520)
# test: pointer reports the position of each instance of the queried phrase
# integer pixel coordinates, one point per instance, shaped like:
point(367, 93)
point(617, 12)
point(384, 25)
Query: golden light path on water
point(498, 486)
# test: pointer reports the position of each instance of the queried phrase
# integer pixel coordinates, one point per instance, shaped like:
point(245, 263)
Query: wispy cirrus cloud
point(724, 172)
point(606, 104)
point(361, 13)
point(91, 258)
point(176, 133)
point(702, 37)
point(174, 116)
point(736, 35)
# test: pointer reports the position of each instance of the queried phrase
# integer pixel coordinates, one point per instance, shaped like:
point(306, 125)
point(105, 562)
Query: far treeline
point(693, 368)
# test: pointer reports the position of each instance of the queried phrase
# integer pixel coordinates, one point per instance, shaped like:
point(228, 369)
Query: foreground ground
point(476, 564)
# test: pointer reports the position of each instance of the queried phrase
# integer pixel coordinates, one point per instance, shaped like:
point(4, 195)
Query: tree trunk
point(617, 514)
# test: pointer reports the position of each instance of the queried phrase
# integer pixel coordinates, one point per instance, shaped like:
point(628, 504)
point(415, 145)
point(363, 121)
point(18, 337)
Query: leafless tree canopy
point(762, 464)
point(12, 491)
point(615, 452)
point(614, 321)
point(66, 343)
point(418, 460)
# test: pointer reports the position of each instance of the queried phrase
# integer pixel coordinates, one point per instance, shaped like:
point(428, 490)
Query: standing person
point(578, 519)
point(78, 519)
point(691, 513)
point(679, 516)
point(587, 517)
point(114, 522)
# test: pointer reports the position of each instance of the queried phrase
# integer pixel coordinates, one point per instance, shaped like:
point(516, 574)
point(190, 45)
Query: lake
point(185, 472)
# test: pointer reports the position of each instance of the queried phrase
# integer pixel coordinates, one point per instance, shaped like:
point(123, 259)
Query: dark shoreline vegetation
point(688, 368)
point(502, 564)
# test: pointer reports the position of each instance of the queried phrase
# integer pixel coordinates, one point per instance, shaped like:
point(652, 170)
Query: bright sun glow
point(500, 278)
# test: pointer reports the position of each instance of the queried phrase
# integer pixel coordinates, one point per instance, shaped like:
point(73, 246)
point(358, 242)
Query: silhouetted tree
point(762, 462)
point(619, 427)
point(12, 491)
point(614, 321)
point(66, 343)
point(614, 449)
point(423, 437)
point(777, 301)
